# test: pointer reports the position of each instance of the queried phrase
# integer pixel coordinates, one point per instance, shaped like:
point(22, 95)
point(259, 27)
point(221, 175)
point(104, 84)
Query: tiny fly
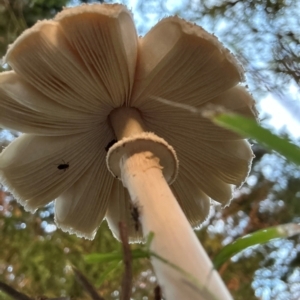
point(135, 214)
point(65, 166)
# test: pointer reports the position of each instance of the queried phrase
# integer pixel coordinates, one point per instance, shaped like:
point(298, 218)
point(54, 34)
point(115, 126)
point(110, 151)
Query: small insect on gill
point(64, 166)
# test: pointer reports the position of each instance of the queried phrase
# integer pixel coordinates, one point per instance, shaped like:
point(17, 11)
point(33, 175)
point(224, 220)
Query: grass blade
point(250, 129)
point(259, 237)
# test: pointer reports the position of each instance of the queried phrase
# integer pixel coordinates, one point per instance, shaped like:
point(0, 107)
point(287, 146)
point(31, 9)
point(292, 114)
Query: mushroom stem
point(174, 239)
point(141, 172)
point(126, 121)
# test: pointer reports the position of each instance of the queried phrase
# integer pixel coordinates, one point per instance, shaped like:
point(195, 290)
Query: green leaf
point(114, 256)
point(259, 237)
point(103, 257)
point(109, 271)
point(249, 128)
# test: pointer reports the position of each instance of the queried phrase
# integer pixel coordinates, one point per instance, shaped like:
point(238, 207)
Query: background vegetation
point(36, 259)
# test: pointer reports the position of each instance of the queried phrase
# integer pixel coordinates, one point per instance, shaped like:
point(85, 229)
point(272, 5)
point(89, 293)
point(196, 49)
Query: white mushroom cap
point(70, 73)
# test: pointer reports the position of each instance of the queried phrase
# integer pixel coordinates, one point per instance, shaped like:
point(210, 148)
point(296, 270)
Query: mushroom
point(84, 79)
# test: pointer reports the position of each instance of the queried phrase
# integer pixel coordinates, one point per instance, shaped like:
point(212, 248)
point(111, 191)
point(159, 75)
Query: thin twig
point(127, 259)
point(87, 285)
point(12, 292)
point(59, 298)
point(157, 293)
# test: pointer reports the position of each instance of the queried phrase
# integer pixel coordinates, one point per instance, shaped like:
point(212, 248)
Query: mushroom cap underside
point(71, 72)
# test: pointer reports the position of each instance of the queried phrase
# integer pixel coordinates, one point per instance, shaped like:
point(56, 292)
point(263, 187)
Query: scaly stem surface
point(160, 213)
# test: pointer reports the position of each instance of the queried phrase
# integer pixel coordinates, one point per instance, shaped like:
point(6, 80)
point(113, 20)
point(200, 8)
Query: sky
point(279, 116)
point(275, 111)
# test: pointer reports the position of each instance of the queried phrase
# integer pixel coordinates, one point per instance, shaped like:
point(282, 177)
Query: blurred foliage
point(36, 259)
point(17, 15)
